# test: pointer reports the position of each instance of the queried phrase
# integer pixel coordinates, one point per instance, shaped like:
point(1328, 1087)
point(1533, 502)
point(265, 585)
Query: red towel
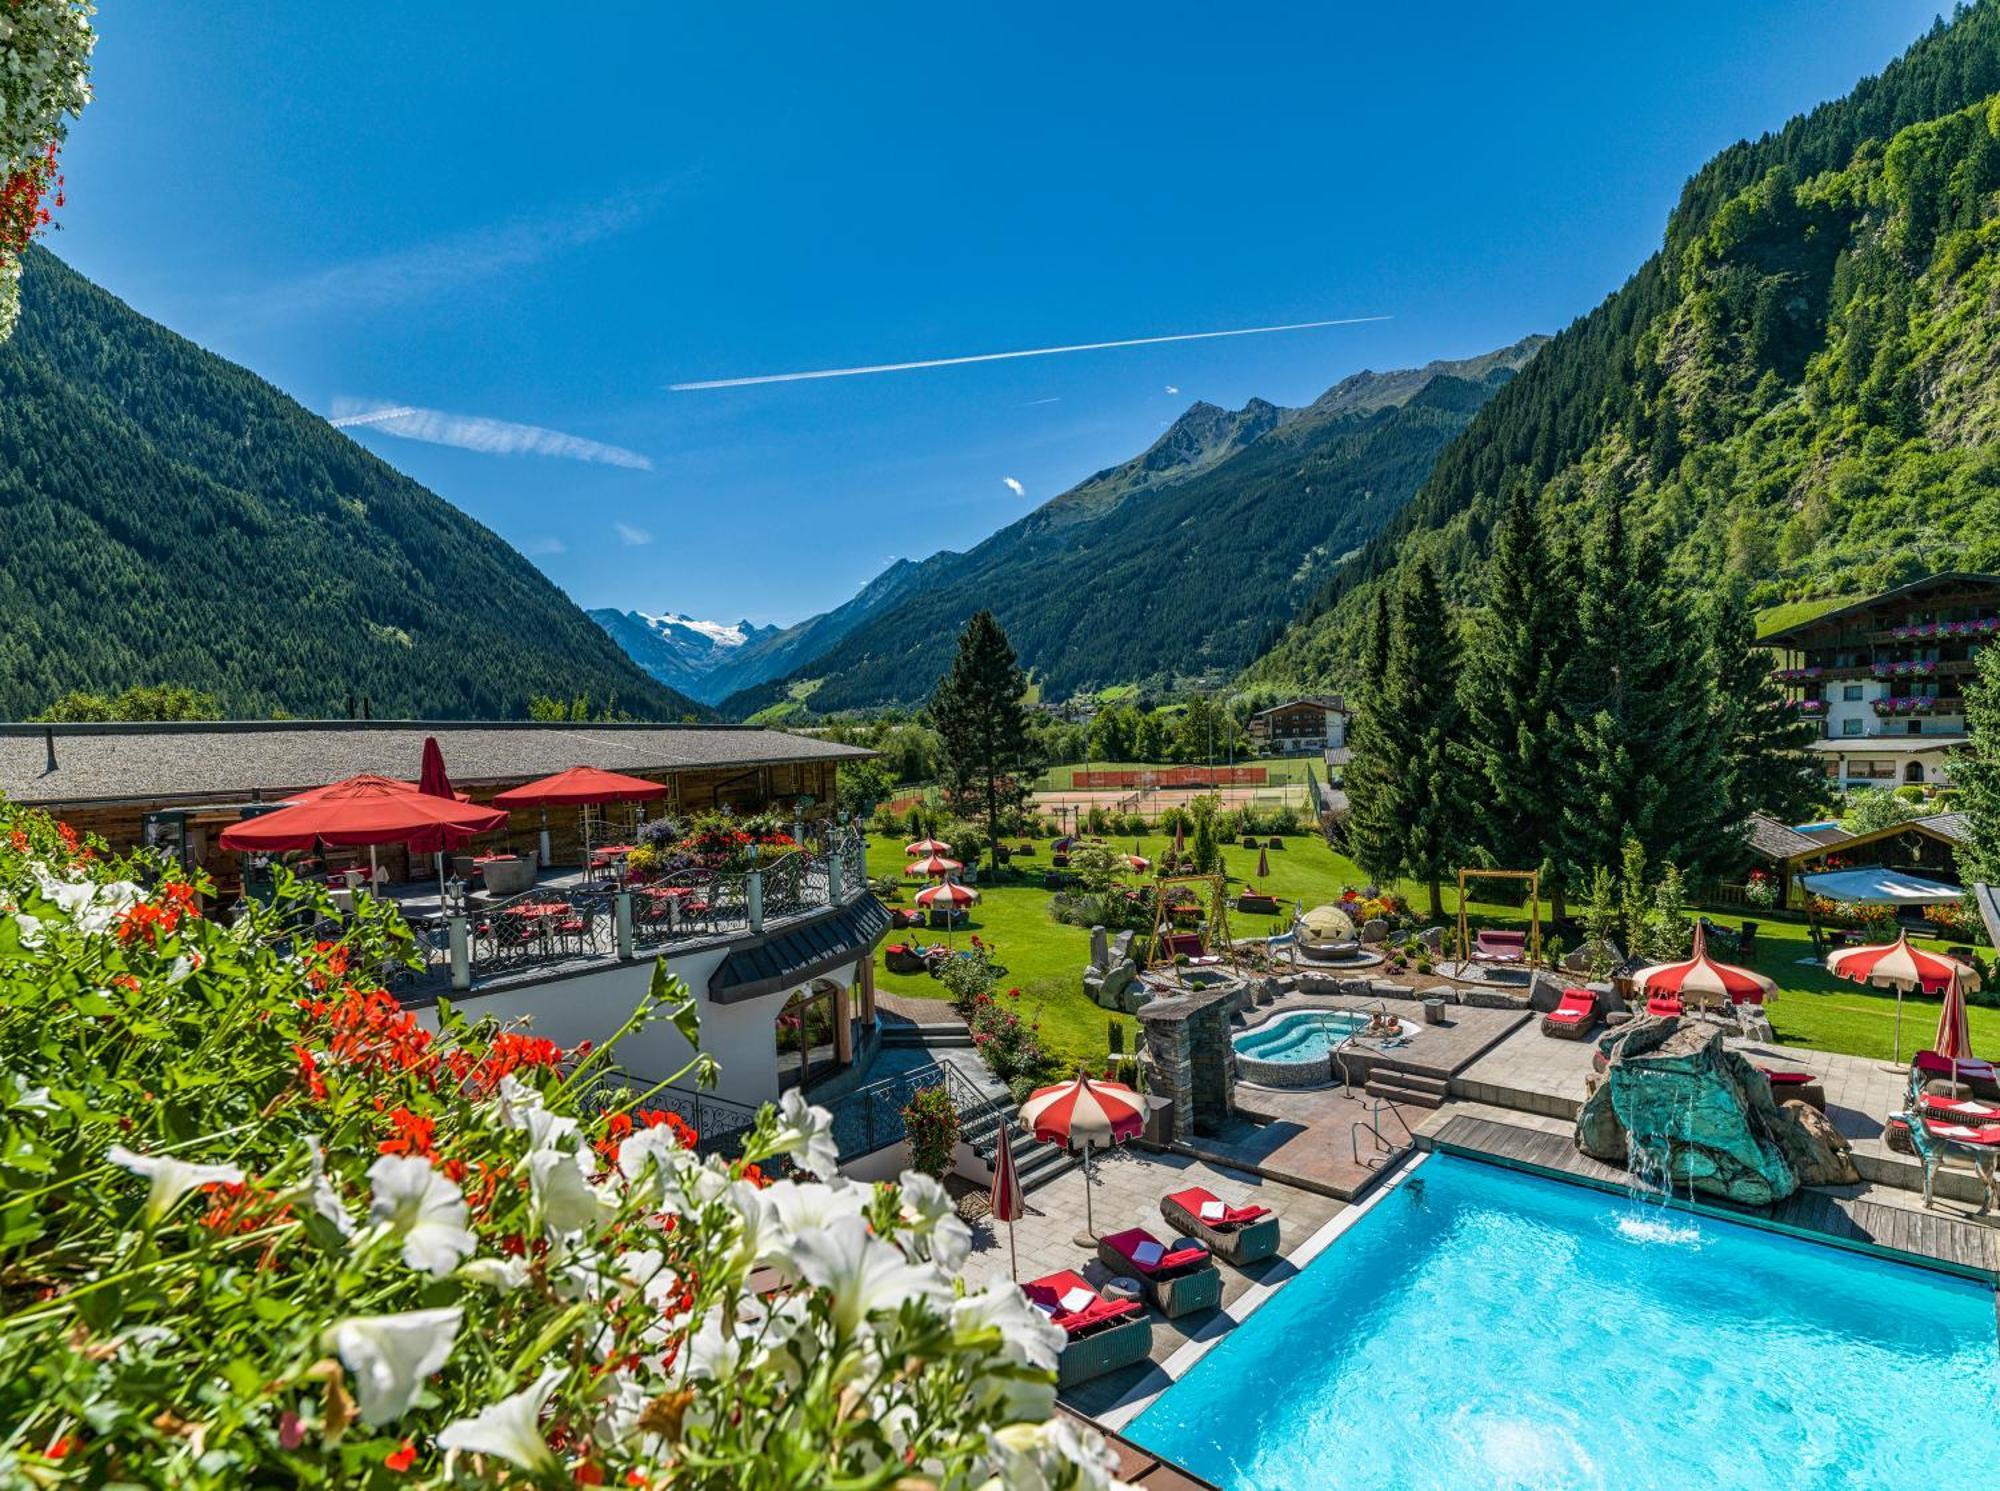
point(1050, 1290)
point(1195, 1197)
point(1786, 1079)
point(1124, 1243)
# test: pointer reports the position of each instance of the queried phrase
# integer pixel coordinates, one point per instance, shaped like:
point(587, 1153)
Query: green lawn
point(1045, 959)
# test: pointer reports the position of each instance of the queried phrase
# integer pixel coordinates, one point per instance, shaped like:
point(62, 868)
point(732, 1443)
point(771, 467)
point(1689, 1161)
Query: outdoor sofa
point(1178, 1281)
point(1240, 1234)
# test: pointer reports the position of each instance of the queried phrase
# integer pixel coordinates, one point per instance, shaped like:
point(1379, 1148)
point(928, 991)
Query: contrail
point(373, 417)
point(953, 362)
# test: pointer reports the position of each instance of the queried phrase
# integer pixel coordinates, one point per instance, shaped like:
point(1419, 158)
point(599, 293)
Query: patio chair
point(903, 957)
point(1103, 1334)
point(1240, 1234)
point(1178, 1282)
point(1574, 1018)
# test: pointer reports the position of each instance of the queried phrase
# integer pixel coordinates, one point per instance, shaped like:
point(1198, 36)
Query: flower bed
point(259, 1225)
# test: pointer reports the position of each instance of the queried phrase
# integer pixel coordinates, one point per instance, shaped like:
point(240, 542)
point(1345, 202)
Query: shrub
point(930, 1121)
point(1097, 821)
point(1761, 890)
point(1010, 1046)
point(1285, 821)
point(968, 841)
point(967, 975)
point(263, 1228)
point(1133, 824)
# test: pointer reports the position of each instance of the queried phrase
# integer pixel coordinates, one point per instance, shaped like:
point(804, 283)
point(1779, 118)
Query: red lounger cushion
point(1958, 1111)
point(1051, 1289)
point(1127, 1243)
point(1959, 1133)
point(1934, 1065)
point(1577, 1004)
point(1786, 1079)
point(1663, 1004)
point(1194, 1198)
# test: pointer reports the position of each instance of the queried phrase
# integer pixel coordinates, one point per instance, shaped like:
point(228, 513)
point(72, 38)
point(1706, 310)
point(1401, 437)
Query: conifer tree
point(1513, 696)
point(1765, 765)
point(982, 725)
point(1406, 785)
point(1975, 773)
point(1642, 758)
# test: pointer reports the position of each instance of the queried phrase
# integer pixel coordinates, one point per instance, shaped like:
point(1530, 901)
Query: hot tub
point(1295, 1049)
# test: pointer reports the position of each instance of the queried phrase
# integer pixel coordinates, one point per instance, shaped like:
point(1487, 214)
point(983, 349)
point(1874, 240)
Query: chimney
point(49, 742)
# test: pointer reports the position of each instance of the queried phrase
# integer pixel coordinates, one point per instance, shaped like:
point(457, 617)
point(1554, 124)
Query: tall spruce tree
point(1975, 773)
point(1643, 762)
point(1513, 696)
point(1765, 765)
point(982, 725)
point(1406, 786)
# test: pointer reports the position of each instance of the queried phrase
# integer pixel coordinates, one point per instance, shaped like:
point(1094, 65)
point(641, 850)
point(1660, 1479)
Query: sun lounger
point(1241, 1234)
point(1104, 1334)
point(1795, 1087)
point(1933, 1142)
point(1979, 1076)
point(1178, 1282)
point(1574, 1018)
point(1959, 1110)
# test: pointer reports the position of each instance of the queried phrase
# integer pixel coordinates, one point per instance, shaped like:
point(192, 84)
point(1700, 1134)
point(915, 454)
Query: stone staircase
point(1403, 1087)
point(1034, 1163)
point(938, 1036)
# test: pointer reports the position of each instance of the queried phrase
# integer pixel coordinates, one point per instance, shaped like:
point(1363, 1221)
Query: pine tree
point(1406, 784)
point(1975, 773)
point(1642, 759)
point(1513, 696)
point(982, 725)
point(1765, 765)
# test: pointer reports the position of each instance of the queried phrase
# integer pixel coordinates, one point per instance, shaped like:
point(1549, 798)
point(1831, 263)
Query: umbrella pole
point(1013, 1259)
point(1088, 1237)
point(1895, 1063)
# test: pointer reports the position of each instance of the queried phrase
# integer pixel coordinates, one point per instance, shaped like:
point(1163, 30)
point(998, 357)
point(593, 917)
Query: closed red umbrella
point(1263, 867)
point(1085, 1114)
point(434, 781)
point(1954, 1035)
point(359, 811)
point(1005, 1200)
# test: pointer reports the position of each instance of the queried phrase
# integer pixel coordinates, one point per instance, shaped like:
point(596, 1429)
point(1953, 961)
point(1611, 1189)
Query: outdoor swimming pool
point(1481, 1328)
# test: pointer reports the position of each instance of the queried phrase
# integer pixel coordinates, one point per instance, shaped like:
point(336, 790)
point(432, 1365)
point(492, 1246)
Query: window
point(1916, 727)
point(1873, 771)
point(1850, 727)
point(1851, 693)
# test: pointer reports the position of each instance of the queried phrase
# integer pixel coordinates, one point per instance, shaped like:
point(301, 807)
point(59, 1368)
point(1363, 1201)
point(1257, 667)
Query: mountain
point(1182, 561)
point(677, 650)
point(1799, 391)
point(167, 516)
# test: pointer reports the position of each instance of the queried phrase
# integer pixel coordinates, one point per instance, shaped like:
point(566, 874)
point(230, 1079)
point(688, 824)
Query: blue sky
point(493, 211)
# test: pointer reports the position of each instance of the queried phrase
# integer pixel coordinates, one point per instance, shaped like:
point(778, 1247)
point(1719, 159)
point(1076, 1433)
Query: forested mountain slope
point(1182, 561)
point(169, 516)
point(1801, 388)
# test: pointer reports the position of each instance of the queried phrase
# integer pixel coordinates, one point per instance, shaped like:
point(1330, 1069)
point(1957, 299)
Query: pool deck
point(1828, 1215)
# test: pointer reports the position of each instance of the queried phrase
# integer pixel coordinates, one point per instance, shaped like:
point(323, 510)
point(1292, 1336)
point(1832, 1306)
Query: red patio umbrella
point(949, 894)
point(359, 811)
point(1005, 1200)
point(579, 787)
point(1899, 966)
point(1701, 974)
point(1954, 1035)
point(1084, 1114)
point(927, 846)
point(936, 864)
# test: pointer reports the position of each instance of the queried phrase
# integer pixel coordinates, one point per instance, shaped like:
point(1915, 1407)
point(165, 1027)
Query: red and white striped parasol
point(927, 846)
point(1085, 1115)
point(1702, 975)
point(1005, 1200)
point(1899, 966)
point(936, 864)
point(948, 893)
point(1954, 1035)
point(1138, 862)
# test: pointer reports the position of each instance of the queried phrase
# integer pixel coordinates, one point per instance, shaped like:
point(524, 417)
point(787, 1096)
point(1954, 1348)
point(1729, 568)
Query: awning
point(1873, 885)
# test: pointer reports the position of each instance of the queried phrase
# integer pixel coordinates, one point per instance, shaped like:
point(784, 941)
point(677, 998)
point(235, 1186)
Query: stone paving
point(1126, 1187)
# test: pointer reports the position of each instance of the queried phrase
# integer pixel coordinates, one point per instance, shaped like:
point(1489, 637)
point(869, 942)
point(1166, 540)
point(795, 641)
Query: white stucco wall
point(742, 1037)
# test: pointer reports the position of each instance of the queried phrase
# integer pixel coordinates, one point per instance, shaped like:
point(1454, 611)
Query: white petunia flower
point(511, 1429)
point(806, 1134)
point(862, 1273)
point(520, 1107)
point(933, 1228)
point(319, 1194)
point(564, 1198)
point(655, 1148)
point(424, 1209)
point(91, 908)
point(1029, 1335)
point(28, 1099)
point(29, 928)
point(391, 1355)
point(713, 1352)
point(503, 1274)
point(1056, 1453)
point(170, 1178)
point(794, 1210)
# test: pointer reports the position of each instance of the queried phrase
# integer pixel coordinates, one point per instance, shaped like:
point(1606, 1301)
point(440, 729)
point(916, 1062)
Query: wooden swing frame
point(1534, 879)
point(1218, 920)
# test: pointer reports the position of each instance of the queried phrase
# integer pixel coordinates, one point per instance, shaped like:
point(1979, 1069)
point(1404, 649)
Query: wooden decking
point(1905, 1233)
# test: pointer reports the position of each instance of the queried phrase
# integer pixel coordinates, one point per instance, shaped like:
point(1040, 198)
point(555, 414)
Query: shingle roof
point(243, 760)
point(1777, 841)
point(1951, 826)
point(1322, 701)
point(1864, 745)
point(798, 956)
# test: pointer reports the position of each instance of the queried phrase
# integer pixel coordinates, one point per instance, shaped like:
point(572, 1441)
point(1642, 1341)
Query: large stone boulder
point(1694, 1114)
point(1111, 979)
point(1374, 930)
point(1819, 1152)
point(1599, 1134)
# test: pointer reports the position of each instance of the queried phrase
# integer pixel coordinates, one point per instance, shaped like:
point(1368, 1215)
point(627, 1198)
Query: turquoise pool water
point(1480, 1328)
point(1307, 1035)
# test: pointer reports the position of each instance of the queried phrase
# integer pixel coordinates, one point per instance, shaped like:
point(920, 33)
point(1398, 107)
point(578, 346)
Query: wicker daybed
point(1179, 1283)
point(1242, 1234)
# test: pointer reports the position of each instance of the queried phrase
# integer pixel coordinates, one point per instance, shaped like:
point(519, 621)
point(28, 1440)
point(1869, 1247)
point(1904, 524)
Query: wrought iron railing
point(871, 1117)
point(720, 1125)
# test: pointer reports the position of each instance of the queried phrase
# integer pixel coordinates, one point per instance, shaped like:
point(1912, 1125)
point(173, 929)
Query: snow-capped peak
point(725, 635)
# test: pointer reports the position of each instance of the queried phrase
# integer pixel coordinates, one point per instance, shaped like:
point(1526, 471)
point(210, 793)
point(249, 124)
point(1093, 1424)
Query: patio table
point(540, 908)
